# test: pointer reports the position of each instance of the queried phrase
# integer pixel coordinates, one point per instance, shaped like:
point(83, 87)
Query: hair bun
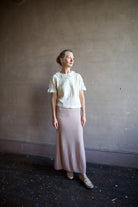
point(58, 60)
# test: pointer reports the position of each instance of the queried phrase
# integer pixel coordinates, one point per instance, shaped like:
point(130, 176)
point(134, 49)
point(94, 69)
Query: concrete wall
point(104, 37)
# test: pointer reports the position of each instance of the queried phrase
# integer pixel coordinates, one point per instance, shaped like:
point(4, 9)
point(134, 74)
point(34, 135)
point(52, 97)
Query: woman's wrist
point(83, 116)
point(54, 117)
point(83, 112)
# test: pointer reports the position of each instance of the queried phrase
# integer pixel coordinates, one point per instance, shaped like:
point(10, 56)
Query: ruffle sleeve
point(81, 84)
point(52, 85)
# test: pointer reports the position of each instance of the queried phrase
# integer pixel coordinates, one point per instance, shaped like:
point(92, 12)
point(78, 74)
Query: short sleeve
point(81, 84)
point(52, 85)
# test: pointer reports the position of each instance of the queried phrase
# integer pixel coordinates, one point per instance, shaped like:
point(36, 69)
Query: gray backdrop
point(103, 35)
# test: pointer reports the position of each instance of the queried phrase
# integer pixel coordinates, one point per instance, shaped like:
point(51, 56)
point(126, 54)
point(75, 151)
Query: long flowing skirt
point(70, 152)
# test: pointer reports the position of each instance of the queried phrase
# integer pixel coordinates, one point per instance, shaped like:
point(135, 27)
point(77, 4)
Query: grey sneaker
point(86, 181)
point(70, 175)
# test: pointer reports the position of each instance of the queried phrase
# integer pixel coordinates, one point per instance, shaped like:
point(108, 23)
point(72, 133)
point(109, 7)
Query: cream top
point(67, 87)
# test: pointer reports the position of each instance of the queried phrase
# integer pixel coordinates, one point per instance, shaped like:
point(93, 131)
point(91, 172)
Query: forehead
point(69, 54)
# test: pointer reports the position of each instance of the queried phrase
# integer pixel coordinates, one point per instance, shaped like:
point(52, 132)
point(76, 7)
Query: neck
point(65, 70)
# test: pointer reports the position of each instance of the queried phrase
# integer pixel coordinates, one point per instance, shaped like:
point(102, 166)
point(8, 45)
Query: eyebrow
point(70, 56)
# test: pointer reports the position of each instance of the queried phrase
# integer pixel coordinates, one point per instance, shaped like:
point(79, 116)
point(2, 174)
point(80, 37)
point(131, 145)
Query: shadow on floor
point(30, 181)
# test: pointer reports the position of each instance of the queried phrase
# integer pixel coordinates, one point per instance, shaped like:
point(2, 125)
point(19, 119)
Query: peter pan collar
point(59, 74)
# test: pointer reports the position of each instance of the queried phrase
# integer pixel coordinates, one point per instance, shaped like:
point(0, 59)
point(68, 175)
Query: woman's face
point(68, 60)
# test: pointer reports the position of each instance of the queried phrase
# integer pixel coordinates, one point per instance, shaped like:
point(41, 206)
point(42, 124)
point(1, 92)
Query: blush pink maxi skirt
point(70, 152)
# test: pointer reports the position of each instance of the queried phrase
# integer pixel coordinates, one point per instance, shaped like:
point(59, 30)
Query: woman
point(67, 98)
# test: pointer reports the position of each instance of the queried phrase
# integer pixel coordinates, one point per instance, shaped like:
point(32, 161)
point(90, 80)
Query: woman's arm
point(53, 106)
point(83, 115)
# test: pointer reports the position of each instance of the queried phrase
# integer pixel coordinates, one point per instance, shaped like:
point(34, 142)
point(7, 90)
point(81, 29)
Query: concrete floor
point(29, 181)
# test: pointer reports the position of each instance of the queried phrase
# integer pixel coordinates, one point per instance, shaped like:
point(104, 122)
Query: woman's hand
point(83, 120)
point(55, 123)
